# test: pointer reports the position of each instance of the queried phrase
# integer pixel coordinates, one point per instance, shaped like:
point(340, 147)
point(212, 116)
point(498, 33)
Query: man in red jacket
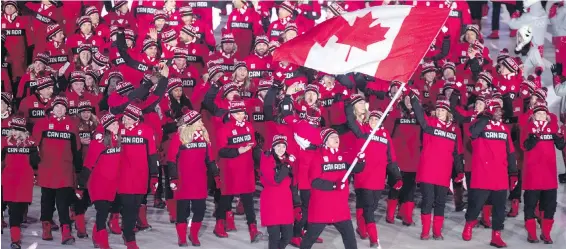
point(494, 171)
point(138, 166)
point(59, 148)
point(325, 175)
point(259, 62)
point(18, 34)
point(245, 24)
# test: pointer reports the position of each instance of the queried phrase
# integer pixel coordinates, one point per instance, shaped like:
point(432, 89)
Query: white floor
point(392, 236)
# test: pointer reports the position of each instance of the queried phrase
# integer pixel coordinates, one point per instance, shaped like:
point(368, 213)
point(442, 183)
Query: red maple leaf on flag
point(358, 35)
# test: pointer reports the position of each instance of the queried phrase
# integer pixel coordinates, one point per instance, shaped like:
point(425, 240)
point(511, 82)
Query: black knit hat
point(190, 116)
point(540, 106)
point(326, 133)
point(107, 119)
point(60, 100)
point(18, 123)
point(133, 111)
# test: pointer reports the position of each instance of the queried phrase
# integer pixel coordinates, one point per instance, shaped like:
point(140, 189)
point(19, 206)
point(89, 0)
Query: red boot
point(240, 207)
point(512, 33)
point(514, 208)
point(114, 223)
point(230, 224)
point(361, 230)
point(254, 233)
point(467, 233)
point(437, 223)
point(143, 225)
point(16, 236)
point(486, 216)
point(531, 227)
point(425, 220)
point(400, 211)
point(496, 239)
point(46, 225)
point(102, 239)
point(132, 245)
point(391, 206)
point(546, 229)
point(494, 34)
point(172, 210)
point(372, 234)
point(408, 213)
point(182, 234)
point(80, 225)
point(219, 230)
point(66, 236)
point(193, 236)
point(296, 242)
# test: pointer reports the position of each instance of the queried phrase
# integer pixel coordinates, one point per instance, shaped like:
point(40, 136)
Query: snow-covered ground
point(392, 236)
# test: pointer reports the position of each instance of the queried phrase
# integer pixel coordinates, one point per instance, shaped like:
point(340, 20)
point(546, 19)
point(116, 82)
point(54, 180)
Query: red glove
point(217, 181)
point(174, 184)
point(398, 185)
point(153, 184)
point(516, 14)
point(79, 193)
point(298, 214)
point(459, 177)
point(513, 181)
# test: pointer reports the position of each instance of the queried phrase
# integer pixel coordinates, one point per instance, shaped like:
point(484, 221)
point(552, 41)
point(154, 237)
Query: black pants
point(81, 205)
point(476, 9)
point(345, 228)
point(302, 224)
point(62, 198)
point(515, 194)
point(393, 193)
point(546, 200)
point(407, 192)
point(496, 12)
point(279, 236)
point(163, 188)
point(130, 208)
point(433, 196)
point(184, 208)
point(16, 210)
point(225, 205)
point(478, 197)
point(115, 206)
point(102, 211)
point(368, 202)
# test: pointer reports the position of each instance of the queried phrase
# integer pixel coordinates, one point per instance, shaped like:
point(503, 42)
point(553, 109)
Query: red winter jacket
point(237, 171)
point(34, 108)
point(144, 10)
point(493, 156)
point(380, 159)
point(41, 18)
point(18, 37)
point(258, 66)
point(18, 163)
point(76, 40)
point(189, 75)
point(305, 130)
point(138, 159)
point(328, 204)
point(59, 149)
point(441, 148)
point(198, 56)
point(189, 164)
point(539, 170)
point(103, 165)
point(276, 199)
point(245, 24)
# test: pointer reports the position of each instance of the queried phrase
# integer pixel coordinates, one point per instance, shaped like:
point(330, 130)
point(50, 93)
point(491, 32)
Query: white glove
point(361, 155)
point(303, 143)
point(292, 158)
point(173, 186)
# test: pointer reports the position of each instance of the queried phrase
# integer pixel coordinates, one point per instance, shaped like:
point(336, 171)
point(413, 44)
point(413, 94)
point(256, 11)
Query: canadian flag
point(387, 42)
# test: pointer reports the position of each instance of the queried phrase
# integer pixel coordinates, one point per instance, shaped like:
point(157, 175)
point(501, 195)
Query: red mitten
point(513, 181)
point(298, 213)
point(217, 181)
point(459, 177)
point(153, 184)
point(516, 14)
point(398, 185)
point(174, 184)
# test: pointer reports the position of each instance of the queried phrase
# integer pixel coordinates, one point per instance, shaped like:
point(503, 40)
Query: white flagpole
point(379, 122)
